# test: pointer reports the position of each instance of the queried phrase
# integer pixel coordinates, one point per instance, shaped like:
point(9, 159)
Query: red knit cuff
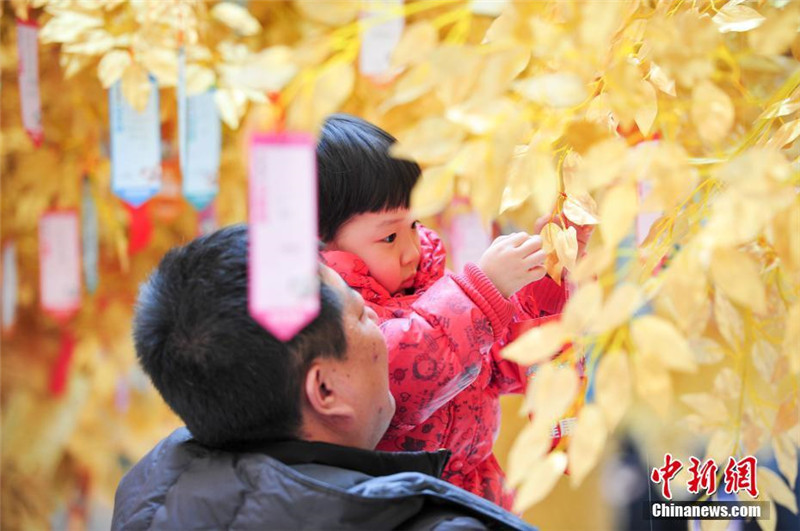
point(550, 297)
point(487, 297)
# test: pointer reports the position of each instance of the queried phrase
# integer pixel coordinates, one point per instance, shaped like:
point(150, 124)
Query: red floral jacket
point(445, 368)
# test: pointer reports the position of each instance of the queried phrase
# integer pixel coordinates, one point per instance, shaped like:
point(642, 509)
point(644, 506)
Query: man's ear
point(323, 389)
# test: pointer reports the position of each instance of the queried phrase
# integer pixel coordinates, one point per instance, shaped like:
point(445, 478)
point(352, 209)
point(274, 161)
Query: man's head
point(231, 381)
point(364, 197)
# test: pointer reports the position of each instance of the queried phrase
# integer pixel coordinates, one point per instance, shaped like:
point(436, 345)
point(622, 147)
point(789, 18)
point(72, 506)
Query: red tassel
point(141, 228)
point(60, 371)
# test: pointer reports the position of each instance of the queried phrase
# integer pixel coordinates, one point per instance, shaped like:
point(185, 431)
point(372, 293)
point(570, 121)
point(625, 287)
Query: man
point(278, 435)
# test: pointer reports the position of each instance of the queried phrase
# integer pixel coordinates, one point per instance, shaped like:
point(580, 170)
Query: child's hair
point(356, 173)
point(226, 377)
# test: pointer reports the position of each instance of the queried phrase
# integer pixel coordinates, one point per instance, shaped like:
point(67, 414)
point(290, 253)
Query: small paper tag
point(283, 254)
point(59, 263)
point(28, 48)
point(135, 147)
point(645, 220)
point(468, 239)
point(203, 143)
point(10, 286)
point(89, 237)
point(378, 40)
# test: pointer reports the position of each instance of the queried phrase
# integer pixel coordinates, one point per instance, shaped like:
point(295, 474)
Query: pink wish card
point(60, 263)
point(283, 263)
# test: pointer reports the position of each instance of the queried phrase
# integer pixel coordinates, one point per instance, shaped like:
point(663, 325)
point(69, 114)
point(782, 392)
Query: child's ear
point(323, 389)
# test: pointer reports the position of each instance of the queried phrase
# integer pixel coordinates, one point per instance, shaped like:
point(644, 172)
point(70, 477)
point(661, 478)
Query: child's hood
point(356, 274)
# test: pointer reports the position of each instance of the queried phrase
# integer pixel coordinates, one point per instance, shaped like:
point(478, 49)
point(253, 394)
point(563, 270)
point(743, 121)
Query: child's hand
point(513, 261)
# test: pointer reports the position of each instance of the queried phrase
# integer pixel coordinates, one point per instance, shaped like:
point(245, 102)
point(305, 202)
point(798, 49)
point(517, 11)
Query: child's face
point(387, 242)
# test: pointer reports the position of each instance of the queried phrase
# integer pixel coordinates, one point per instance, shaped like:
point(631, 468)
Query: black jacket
point(183, 485)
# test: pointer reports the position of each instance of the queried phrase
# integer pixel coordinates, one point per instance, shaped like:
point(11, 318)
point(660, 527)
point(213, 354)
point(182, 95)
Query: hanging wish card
point(135, 147)
point(382, 24)
point(28, 48)
point(468, 239)
point(59, 263)
point(283, 254)
point(10, 286)
point(203, 144)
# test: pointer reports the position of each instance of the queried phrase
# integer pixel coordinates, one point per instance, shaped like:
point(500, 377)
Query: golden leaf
point(549, 233)
point(433, 192)
point(737, 17)
point(739, 277)
point(706, 351)
point(586, 443)
point(199, 79)
point(652, 383)
point(619, 307)
point(553, 267)
point(236, 17)
point(728, 320)
point(67, 26)
point(645, 113)
point(707, 405)
point(530, 446)
point(601, 164)
point(331, 12)
point(787, 417)
point(566, 245)
point(791, 338)
point(94, 42)
point(765, 359)
point(583, 307)
point(618, 211)
point(558, 90)
point(786, 454)
point(532, 175)
point(418, 41)
point(776, 488)
point(112, 66)
point(231, 104)
point(728, 383)
point(780, 108)
point(661, 80)
point(433, 140)
point(457, 69)
point(614, 386)
point(136, 86)
point(775, 35)
point(720, 446)
point(536, 345)
point(786, 134)
point(162, 63)
point(331, 90)
point(542, 477)
point(658, 338)
point(769, 524)
point(581, 209)
point(712, 112)
point(414, 83)
point(499, 70)
point(270, 70)
point(551, 391)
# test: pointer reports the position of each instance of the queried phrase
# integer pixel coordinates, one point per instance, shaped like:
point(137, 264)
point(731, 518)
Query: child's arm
point(436, 352)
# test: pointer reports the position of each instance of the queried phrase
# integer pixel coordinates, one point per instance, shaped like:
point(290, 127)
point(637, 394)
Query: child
point(444, 331)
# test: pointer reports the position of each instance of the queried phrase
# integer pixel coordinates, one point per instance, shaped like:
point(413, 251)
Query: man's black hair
point(356, 173)
point(226, 377)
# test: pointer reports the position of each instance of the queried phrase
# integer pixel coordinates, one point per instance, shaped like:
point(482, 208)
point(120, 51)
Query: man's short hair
point(357, 175)
point(224, 375)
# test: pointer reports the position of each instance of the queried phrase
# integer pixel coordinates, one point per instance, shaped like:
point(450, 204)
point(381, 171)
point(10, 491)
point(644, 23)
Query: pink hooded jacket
point(445, 368)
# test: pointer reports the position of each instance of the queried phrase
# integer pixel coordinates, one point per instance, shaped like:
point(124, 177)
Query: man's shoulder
point(181, 483)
